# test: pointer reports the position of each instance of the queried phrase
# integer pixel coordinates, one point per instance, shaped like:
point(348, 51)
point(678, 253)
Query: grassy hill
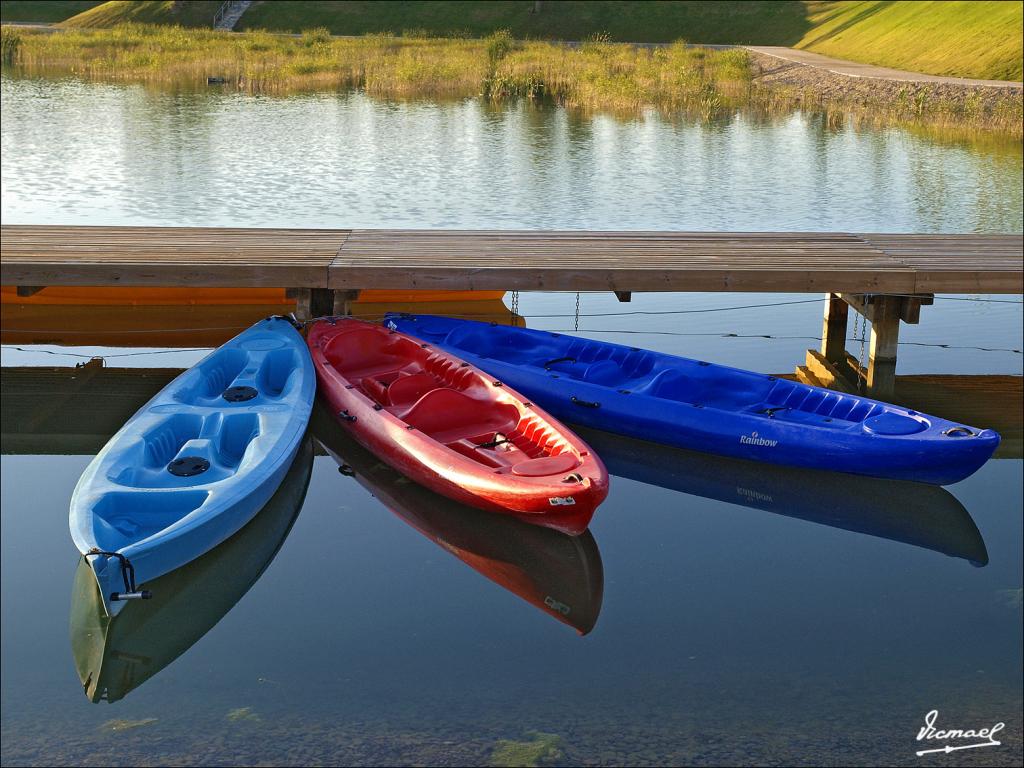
point(968, 39)
point(965, 39)
point(43, 10)
point(195, 13)
point(747, 21)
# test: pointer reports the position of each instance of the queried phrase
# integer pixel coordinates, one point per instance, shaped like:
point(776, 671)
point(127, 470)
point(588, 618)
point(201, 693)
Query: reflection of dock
point(76, 410)
point(125, 325)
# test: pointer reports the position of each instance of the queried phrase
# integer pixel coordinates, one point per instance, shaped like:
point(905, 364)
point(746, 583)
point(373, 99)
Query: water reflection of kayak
point(115, 656)
point(911, 513)
point(561, 575)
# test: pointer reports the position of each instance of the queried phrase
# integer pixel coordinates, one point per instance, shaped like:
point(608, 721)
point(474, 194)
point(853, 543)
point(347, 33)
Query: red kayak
point(450, 427)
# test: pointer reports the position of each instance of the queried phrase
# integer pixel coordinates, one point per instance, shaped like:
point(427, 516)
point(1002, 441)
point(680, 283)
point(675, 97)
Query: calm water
point(735, 613)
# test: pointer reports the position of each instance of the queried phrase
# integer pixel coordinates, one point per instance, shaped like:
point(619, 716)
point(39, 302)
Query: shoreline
point(596, 76)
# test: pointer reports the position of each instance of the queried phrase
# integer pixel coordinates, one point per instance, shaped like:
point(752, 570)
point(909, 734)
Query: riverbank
point(596, 76)
point(944, 107)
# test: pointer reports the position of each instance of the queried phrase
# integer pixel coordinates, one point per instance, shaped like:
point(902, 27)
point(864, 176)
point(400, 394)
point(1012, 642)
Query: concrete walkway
point(855, 69)
point(232, 12)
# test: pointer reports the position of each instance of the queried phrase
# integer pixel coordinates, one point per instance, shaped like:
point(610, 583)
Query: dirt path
point(856, 69)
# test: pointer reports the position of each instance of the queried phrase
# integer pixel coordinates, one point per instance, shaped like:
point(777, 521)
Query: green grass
point(194, 13)
point(964, 39)
point(781, 22)
point(747, 21)
point(48, 11)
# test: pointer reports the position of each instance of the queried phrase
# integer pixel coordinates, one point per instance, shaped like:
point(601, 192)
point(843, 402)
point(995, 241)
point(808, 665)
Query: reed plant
point(594, 75)
point(10, 44)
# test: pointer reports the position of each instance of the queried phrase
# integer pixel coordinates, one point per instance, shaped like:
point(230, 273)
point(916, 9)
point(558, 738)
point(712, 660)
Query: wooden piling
point(885, 333)
point(833, 334)
point(343, 301)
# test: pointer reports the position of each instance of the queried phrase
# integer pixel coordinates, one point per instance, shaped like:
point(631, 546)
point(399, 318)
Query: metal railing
point(218, 17)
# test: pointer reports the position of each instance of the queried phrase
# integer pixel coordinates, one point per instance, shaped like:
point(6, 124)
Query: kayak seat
point(121, 518)
point(448, 415)
point(217, 373)
point(219, 439)
point(409, 388)
point(673, 385)
point(503, 344)
point(375, 389)
point(474, 340)
point(403, 389)
point(360, 353)
point(605, 372)
point(278, 370)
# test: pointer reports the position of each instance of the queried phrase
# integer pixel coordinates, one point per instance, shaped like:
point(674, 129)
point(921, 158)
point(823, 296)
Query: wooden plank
point(525, 260)
point(829, 374)
point(166, 256)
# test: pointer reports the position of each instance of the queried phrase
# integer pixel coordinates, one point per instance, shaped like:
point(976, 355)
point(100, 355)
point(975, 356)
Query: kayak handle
point(131, 592)
point(144, 594)
point(346, 416)
point(549, 363)
point(770, 412)
point(584, 403)
point(499, 439)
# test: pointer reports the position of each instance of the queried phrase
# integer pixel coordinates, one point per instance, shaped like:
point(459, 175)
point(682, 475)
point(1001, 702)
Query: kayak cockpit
point(450, 403)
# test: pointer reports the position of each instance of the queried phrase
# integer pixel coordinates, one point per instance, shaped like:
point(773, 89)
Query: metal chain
point(862, 374)
point(577, 326)
point(514, 307)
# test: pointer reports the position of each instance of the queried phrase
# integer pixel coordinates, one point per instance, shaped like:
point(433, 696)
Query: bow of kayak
point(116, 655)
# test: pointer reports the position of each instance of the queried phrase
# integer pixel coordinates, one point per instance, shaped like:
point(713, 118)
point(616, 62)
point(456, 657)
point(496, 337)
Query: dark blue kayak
point(713, 408)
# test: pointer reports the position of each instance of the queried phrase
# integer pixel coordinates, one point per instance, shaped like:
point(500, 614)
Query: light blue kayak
point(196, 462)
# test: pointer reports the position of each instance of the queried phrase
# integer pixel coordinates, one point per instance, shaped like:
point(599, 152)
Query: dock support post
point(321, 302)
point(833, 333)
point(343, 301)
point(885, 332)
point(311, 302)
point(303, 301)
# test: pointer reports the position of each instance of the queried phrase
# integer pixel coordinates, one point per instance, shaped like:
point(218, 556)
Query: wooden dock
point(786, 262)
point(884, 277)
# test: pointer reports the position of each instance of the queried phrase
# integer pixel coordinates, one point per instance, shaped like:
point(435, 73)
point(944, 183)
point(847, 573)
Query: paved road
point(855, 69)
